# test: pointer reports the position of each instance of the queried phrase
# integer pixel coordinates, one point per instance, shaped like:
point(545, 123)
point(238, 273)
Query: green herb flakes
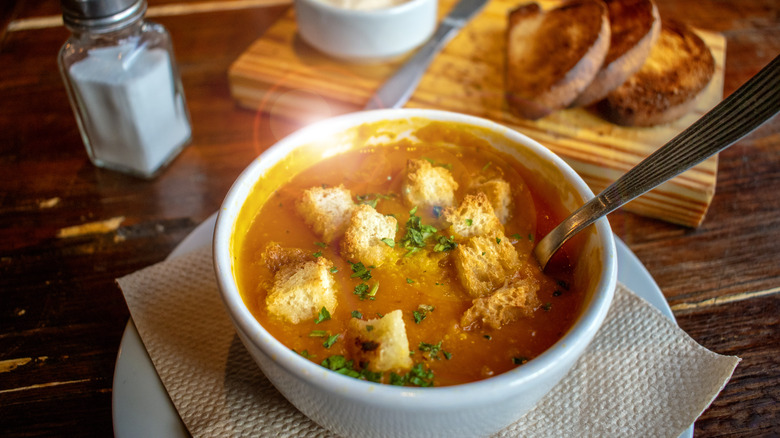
point(409, 281)
point(321, 244)
point(323, 315)
point(433, 350)
point(331, 340)
point(389, 242)
point(416, 233)
point(317, 254)
point(546, 307)
point(333, 270)
point(357, 314)
point(360, 271)
point(422, 312)
point(318, 334)
point(445, 243)
point(469, 222)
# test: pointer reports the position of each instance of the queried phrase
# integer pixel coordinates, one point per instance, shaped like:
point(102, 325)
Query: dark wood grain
point(62, 316)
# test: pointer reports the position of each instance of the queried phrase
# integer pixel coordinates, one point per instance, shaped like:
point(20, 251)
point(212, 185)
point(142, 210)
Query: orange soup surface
point(422, 283)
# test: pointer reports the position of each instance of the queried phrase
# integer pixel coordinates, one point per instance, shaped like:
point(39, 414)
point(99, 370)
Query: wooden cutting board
point(281, 75)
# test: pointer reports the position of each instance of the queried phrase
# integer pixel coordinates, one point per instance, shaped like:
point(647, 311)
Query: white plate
point(141, 407)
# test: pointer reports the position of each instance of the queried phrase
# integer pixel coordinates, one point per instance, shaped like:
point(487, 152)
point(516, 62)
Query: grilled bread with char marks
point(678, 69)
point(553, 55)
point(634, 26)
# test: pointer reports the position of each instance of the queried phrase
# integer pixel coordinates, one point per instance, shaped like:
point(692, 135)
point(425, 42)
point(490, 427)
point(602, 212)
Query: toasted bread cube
point(474, 217)
point(326, 210)
point(426, 185)
point(516, 299)
point(380, 344)
point(483, 263)
point(363, 237)
point(499, 194)
point(300, 290)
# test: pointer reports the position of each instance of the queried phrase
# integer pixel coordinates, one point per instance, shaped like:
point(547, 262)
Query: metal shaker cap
point(103, 15)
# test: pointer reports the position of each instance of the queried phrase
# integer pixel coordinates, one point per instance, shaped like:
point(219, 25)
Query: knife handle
point(397, 90)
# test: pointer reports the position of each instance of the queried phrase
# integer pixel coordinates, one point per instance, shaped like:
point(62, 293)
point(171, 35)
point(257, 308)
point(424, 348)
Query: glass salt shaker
point(124, 86)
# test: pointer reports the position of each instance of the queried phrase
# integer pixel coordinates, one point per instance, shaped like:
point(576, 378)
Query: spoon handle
point(736, 116)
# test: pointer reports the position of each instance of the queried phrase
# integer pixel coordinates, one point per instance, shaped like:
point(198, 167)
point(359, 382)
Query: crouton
point(363, 236)
point(474, 217)
point(274, 256)
point(499, 194)
point(483, 263)
point(380, 344)
point(300, 290)
point(516, 299)
point(426, 185)
point(326, 210)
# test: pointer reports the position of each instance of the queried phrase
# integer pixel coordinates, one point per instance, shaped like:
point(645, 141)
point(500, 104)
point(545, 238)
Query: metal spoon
point(755, 102)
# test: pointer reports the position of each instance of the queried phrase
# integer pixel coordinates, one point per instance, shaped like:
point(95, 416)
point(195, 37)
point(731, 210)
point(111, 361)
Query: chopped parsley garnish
point(331, 340)
point(447, 355)
point(416, 233)
point(369, 327)
point(434, 163)
point(360, 271)
point(530, 236)
point(420, 375)
point(341, 365)
point(321, 244)
point(317, 254)
point(323, 315)
point(546, 307)
point(484, 168)
point(333, 270)
point(445, 243)
point(361, 291)
point(305, 353)
point(318, 334)
point(409, 281)
point(389, 242)
point(498, 240)
point(371, 199)
point(364, 292)
point(433, 350)
point(469, 222)
point(357, 314)
point(516, 236)
point(422, 311)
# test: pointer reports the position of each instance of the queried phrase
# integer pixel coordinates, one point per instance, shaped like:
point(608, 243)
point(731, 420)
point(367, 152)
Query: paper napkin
point(641, 376)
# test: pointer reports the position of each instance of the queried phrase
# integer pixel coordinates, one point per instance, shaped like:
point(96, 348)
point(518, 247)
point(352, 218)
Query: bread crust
point(634, 28)
point(678, 69)
point(553, 55)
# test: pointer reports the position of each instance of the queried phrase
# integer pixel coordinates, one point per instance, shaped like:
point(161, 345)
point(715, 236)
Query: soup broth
point(423, 283)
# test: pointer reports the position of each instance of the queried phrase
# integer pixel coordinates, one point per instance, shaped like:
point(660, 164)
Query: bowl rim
point(401, 8)
point(384, 395)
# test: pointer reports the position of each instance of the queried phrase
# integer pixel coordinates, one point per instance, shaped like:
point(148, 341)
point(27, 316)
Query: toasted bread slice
point(553, 55)
point(679, 67)
point(634, 27)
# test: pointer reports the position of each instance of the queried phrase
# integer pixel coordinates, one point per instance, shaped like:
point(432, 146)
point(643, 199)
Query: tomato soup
point(422, 283)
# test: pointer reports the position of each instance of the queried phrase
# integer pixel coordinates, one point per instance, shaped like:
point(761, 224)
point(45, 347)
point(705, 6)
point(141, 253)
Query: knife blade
point(395, 92)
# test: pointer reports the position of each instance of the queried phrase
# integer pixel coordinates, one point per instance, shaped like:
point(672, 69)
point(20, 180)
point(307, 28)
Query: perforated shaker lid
point(101, 14)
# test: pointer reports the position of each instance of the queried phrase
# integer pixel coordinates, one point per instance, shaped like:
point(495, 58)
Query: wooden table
point(62, 316)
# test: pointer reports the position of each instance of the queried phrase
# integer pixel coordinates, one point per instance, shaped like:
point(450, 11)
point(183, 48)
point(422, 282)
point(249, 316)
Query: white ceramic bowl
point(361, 35)
point(352, 407)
